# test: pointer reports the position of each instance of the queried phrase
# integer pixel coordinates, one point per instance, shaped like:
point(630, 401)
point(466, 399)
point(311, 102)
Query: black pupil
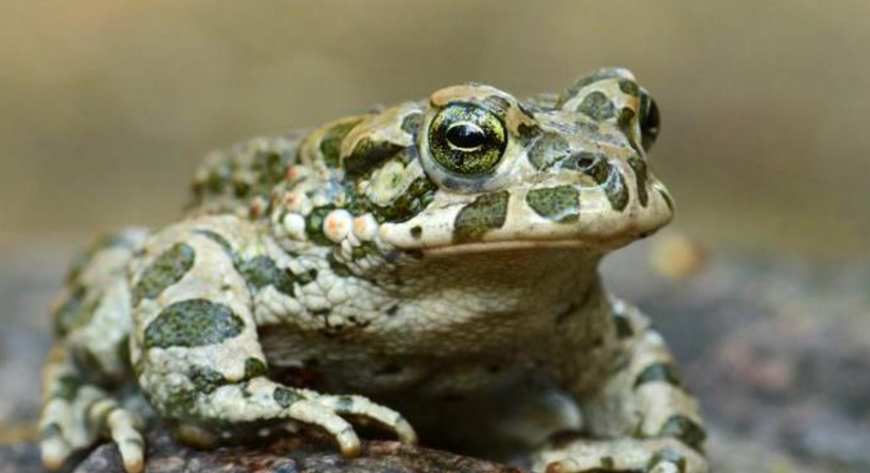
point(465, 136)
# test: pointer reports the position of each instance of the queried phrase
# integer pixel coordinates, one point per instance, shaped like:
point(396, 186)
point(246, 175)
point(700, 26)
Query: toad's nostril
point(581, 161)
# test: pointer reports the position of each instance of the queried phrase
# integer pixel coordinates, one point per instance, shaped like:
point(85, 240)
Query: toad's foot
point(76, 414)
point(262, 401)
point(664, 455)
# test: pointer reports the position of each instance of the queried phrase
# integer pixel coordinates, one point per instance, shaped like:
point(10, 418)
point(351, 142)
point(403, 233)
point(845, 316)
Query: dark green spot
point(262, 271)
point(626, 115)
point(411, 123)
point(661, 372)
point(306, 277)
point(369, 154)
point(487, 212)
point(165, 271)
point(286, 397)
point(629, 87)
point(416, 232)
point(51, 430)
point(193, 323)
point(338, 268)
point(527, 133)
point(623, 326)
point(547, 150)
point(75, 312)
point(254, 368)
point(596, 76)
point(219, 239)
point(640, 173)
point(314, 224)
point(218, 178)
point(344, 405)
point(685, 429)
point(330, 144)
point(417, 197)
point(597, 106)
point(559, 204)
point(67, 387)
point(205, 379)
point(241, 189)
point(365, 249)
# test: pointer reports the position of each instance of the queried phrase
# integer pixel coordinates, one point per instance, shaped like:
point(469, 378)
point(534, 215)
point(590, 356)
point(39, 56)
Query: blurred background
point(107, 106)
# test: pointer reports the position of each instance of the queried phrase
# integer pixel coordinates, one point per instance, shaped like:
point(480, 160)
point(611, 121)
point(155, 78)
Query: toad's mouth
point(581, 246)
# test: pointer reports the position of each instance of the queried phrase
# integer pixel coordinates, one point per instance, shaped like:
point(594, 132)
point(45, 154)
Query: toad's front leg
point(641, 419)
point(195, 347)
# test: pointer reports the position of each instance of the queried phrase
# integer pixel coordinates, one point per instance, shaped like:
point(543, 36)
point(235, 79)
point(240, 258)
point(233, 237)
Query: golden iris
point(467, 139)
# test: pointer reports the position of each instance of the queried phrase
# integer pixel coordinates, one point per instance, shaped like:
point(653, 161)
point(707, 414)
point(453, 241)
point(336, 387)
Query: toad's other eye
point(467, 139)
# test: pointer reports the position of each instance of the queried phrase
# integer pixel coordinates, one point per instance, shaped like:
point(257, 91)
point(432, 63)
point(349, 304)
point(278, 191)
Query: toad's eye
point(467, 139)
point(650, 121)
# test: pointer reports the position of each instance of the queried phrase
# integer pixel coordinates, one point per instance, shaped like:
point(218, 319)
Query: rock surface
point(776, 349)
point(291, 455)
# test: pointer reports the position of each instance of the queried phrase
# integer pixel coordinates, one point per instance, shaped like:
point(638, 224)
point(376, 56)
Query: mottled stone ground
point(776, 349)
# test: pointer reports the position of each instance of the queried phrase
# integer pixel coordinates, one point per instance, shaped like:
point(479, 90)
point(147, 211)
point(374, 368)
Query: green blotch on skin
point(597, 76)
point(51, 430)
point(549, 148)
point(241, 189)
point(330, 144)
point(664, 373)
point(307, 277)
point(254, 368)
point(193, 323)
point(641, 174)
point(487, 212)
point(314, 225)
point(559, 204)
point(617, 191)
point(344, 405)
point(369, 154)
point(205, 379)
point(685, 429)
point(286, 397)
point(623, 327)
point(597, 106)
point(365, 249)
point(527, 133)
point(218, 178)
point(75, 312)
point(414, 200)
point(67, 387)
point(165, 271)
point(270, 167)
point(629, 87)
point(411, 123)
point(612, 181)
point(626, 115)
point(262, 271)
point(338, 268)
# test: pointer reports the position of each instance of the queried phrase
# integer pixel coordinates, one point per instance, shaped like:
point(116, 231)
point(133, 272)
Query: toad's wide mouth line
point(582, 245)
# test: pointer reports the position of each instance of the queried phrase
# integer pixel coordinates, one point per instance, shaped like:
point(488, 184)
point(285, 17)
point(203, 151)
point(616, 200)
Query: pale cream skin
point(407, 267)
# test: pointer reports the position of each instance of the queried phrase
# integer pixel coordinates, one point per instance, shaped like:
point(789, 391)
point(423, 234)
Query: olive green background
point(106, 105)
